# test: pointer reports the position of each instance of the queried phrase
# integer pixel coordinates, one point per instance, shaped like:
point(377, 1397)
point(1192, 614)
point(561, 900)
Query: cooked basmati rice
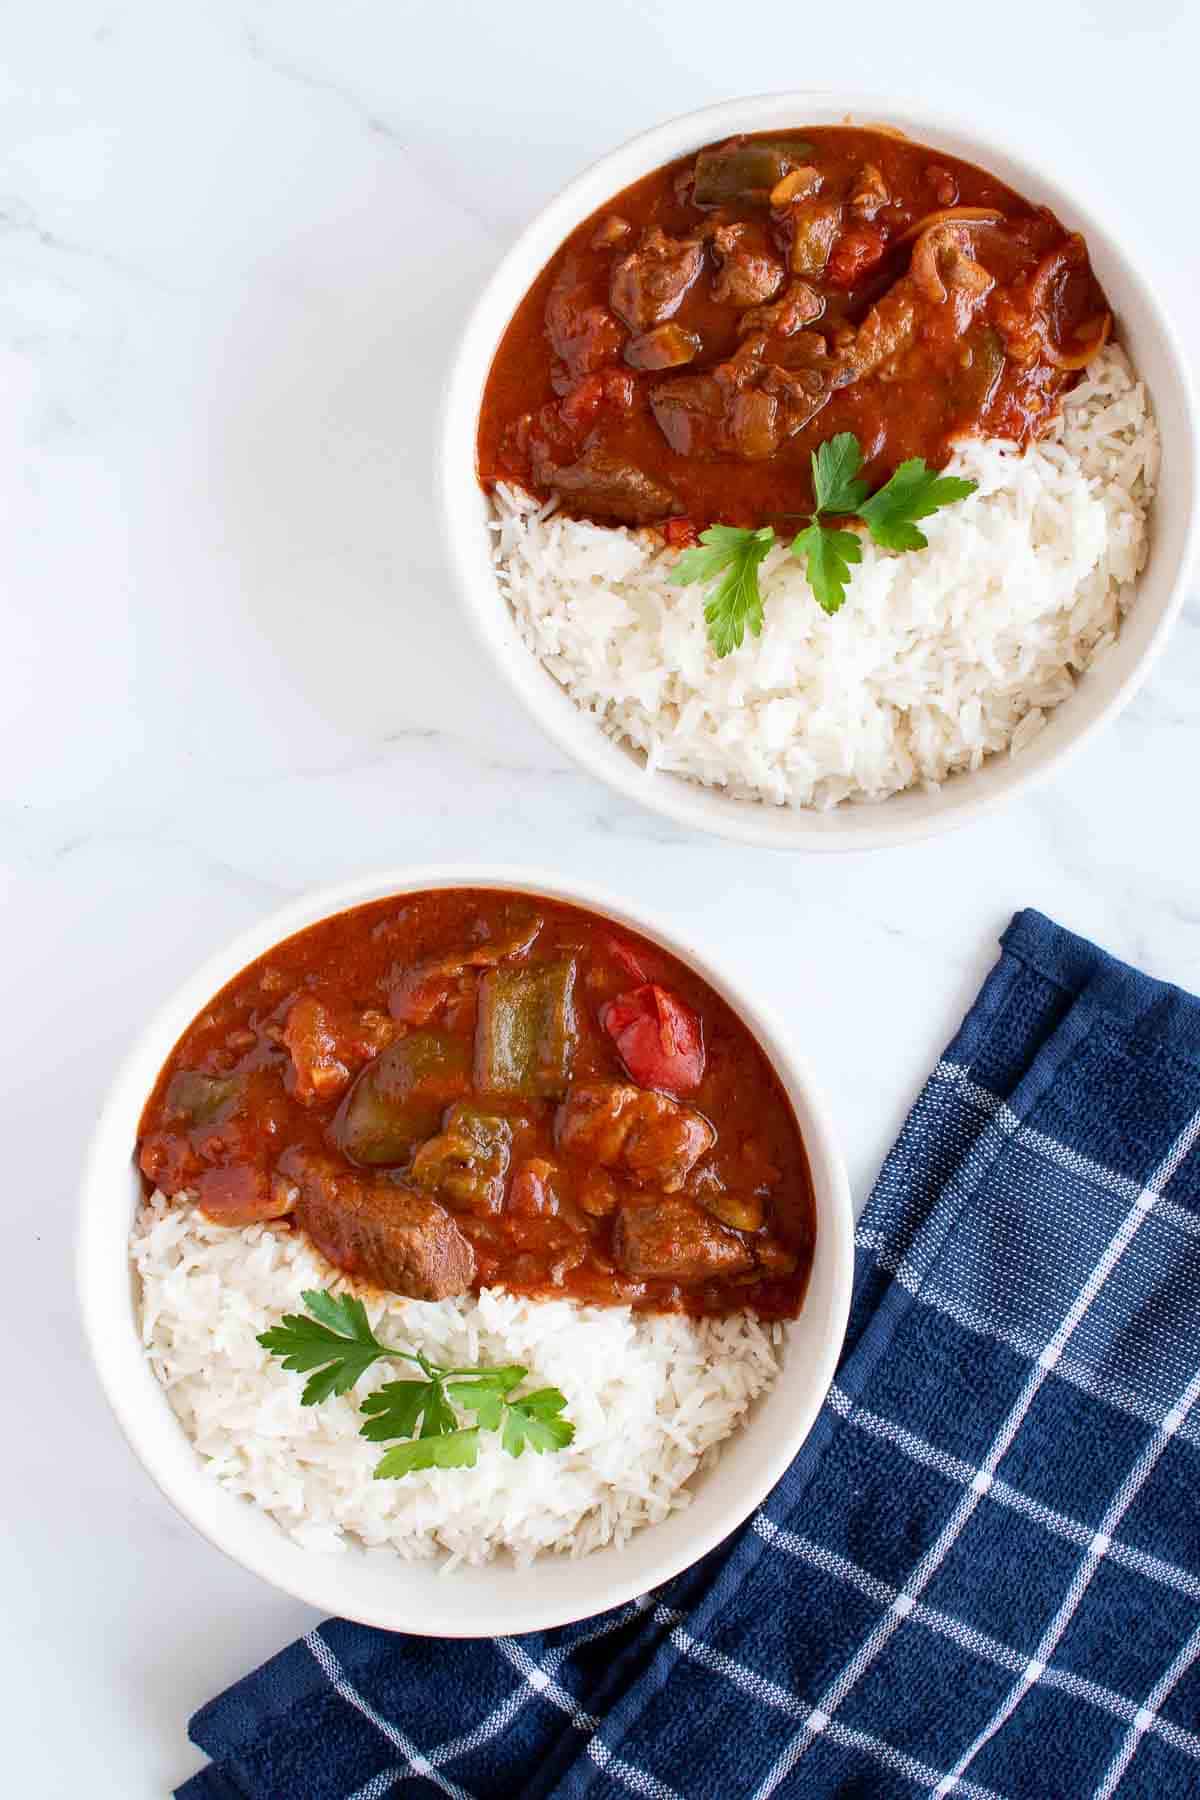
point(938, 658)
point(651, 1399)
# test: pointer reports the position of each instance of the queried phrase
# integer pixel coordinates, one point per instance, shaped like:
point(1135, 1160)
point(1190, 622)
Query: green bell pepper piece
point(399, 1098)
point(526, 1032)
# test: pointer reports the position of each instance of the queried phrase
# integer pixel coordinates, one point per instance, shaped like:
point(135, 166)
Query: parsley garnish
point(337, 1341)
point(836, 484)
point(453, 1450)
point(827, 551)
point(534, 1420)
point(735, 603)
point(913, 493)
point(828, 555)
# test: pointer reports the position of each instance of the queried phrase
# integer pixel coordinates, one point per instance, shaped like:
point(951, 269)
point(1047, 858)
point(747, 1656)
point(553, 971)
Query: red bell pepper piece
point(658, 1038)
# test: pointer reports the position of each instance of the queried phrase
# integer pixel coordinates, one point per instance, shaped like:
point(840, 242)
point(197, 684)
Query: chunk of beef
point(745, 407)
point(376, 1229)
point(648, 285)
point(801, 391)
point(167, 1159)
point(582, 332)
point(608, 487)
point(749, 271)
point(673, 1239)
point(942, 275)
point(318, 1072)
point(889, 327)
point(795, 309)
point(648, 1137)
point(802, 350)
point(690, 411)
point(416, 994)
point(598, 1193)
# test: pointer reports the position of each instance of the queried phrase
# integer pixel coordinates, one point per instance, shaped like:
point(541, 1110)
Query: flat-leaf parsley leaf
point(455, 1450)
point(338, 1341)
point(534, 1421)
point(729, 554)
point(827, 555)
point(913, 492)
point(398, 1407)
point(835, 466)
point(735, 604)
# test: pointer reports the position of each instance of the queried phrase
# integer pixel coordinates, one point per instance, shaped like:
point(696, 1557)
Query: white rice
point(651, 1399)
point(938, 658)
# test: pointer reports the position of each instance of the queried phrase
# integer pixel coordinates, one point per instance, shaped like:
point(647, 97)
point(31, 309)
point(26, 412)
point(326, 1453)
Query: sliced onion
point(950, 215)
point(1069, 254)
point(1078, 359)
point(939, 262)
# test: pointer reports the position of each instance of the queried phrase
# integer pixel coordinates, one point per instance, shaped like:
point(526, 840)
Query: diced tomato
point(659, 1038)
point(680, 533)
point(532, 1190)
point(855, 254)
point(581, 404)
point(241, 1194)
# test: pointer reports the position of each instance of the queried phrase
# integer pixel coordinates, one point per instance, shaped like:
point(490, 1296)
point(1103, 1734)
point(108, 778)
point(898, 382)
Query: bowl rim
point(688, 803)
point(106, 1283)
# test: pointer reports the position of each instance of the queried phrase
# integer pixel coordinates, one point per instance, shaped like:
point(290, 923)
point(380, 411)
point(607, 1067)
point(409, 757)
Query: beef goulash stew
point(692, 343)
point(471, 1088)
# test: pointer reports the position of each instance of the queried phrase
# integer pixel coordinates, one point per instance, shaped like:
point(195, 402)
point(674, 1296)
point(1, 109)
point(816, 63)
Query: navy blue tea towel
point(980, 1577)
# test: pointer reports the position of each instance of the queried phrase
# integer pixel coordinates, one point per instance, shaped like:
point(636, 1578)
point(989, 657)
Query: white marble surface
point(237, 245)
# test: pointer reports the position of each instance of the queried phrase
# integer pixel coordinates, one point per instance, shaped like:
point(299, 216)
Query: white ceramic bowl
point(379, 1588)
point(1144, 329)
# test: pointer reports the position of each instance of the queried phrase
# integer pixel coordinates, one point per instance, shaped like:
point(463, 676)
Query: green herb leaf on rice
point(914, 492)
point(534, 1421)
point(729, 555)
point(835, 466)
point(735, 604)
point(401, 1408)
point(338, 1342)
point(454, 1450)
point(827, 555)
